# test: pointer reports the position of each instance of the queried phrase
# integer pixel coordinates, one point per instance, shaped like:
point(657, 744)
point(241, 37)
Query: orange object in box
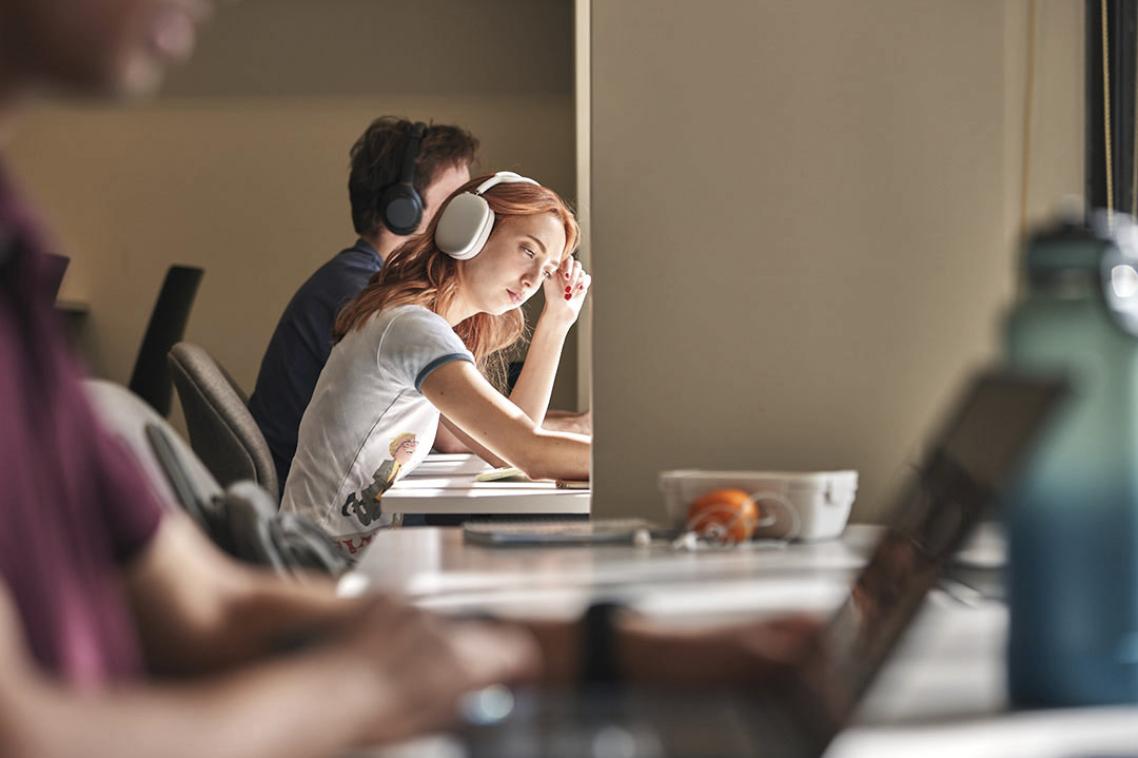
point(724, 514)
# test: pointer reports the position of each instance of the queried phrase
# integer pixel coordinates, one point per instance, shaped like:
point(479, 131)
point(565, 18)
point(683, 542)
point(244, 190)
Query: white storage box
point(821, 500)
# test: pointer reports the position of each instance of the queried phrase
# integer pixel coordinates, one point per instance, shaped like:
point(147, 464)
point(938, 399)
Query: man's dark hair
point(377, 159)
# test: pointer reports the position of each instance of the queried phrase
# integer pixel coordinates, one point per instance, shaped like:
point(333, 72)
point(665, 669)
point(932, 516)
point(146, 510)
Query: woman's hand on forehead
point(565, 292)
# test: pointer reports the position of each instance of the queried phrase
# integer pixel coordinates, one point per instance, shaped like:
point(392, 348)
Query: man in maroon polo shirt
point(101, 590)
point(123, 632)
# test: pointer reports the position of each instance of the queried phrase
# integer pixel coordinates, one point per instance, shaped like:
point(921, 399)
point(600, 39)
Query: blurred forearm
point(199, 610)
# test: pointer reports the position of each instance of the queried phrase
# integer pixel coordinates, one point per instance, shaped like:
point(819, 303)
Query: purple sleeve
point(130, 506)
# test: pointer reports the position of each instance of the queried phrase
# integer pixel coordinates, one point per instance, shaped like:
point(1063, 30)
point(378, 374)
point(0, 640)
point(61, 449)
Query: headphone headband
point(503, 177)
point(411, 153)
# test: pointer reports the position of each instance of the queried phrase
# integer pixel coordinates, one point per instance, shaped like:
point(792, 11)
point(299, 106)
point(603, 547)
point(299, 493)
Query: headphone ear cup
point(402, 209)
point(464, 226)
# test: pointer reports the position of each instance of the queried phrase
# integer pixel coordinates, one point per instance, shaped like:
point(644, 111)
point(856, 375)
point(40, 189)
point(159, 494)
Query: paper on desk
point(467, 483)
point(504, 474)
point(444, 464)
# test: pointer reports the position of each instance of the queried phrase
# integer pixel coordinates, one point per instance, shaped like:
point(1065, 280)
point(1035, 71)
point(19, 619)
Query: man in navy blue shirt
point(300, 345)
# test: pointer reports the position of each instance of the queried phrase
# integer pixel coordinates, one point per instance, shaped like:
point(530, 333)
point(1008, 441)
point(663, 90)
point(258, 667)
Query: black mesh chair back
point(56, 267)
point(150, 379)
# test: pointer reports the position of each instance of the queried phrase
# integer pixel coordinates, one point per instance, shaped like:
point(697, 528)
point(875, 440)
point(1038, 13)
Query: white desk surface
point(942, 693)
point(444, 484)
point(449, 464)
point(436, 567)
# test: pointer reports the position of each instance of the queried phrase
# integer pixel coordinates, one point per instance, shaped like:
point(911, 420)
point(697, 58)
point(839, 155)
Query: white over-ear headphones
point(465, 223)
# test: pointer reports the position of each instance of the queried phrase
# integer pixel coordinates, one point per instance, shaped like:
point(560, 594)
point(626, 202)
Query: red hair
point(418, 273)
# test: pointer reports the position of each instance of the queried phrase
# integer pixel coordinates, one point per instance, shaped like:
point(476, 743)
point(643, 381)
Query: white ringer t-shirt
point(367, 424)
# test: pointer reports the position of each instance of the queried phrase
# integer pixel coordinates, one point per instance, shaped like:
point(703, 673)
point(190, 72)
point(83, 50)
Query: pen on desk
point(565, 484)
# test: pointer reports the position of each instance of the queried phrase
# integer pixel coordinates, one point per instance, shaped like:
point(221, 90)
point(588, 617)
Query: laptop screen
point(968, 463)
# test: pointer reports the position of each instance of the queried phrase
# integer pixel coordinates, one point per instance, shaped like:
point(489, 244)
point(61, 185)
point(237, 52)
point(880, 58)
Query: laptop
point(968, 464)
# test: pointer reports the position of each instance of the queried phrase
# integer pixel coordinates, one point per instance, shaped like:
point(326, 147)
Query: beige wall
point(241, 167)
point(801, 216)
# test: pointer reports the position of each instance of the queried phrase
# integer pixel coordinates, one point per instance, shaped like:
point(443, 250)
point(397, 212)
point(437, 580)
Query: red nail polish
point(568, 297)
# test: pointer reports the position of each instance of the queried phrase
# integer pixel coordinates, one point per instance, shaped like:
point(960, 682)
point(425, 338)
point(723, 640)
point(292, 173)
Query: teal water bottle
point(1072, 522)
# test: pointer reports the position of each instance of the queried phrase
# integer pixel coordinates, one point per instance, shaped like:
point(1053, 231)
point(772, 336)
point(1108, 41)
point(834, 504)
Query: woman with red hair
point(422, 339)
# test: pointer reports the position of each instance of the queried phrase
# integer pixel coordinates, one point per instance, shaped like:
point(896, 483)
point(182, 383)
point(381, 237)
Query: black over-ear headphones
point(400, 204)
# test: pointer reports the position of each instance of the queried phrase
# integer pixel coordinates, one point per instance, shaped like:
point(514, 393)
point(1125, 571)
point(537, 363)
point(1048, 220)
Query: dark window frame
point(1122, 39)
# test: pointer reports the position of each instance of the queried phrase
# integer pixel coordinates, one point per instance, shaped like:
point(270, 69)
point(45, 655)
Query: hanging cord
point(1106, 117)
point(1028, 96)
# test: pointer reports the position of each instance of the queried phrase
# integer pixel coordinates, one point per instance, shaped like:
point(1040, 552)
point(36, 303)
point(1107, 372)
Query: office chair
point(126, 417)
point(222, 431)
point(56, 267)
point(242, 520)
point(150, 378)
point(289, 544)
